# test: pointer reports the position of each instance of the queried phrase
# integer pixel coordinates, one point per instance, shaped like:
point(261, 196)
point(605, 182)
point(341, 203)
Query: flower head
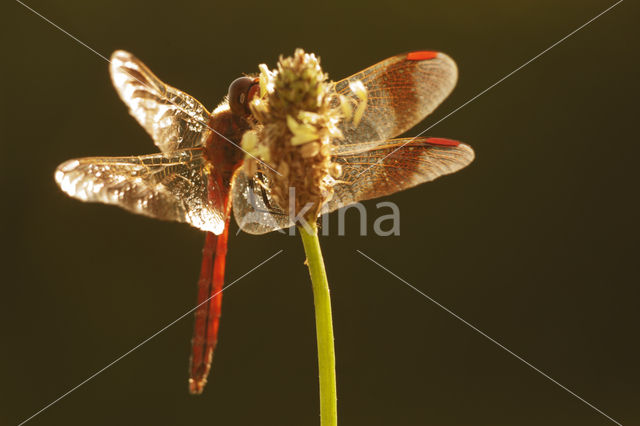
point(297, 120)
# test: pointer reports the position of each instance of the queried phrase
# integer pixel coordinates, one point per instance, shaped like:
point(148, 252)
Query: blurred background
point(536, 243)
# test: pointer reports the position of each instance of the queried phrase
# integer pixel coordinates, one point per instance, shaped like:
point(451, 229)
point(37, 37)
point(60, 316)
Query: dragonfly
point(198, 176)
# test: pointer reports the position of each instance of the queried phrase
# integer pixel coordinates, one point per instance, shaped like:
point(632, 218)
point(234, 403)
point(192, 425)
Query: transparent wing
point(388, 167)
point(170, 186)
point(256, 212)
point(402, 91)
point(373, 169)
point(172, 118)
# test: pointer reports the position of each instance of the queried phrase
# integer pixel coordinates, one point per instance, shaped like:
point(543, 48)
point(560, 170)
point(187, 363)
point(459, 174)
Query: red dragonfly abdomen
point(224, 159)
point(207, 317)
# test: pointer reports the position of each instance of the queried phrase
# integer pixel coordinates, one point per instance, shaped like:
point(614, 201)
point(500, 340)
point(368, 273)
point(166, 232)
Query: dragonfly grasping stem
point(324, 326)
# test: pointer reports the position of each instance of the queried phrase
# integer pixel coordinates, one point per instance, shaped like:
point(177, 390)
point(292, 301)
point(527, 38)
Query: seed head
point(296, 124)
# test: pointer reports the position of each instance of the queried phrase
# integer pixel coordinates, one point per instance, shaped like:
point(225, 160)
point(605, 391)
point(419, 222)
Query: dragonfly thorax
point(222, 148)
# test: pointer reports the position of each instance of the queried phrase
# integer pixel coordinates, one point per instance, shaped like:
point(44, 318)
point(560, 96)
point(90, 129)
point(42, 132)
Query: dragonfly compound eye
point(241, 91)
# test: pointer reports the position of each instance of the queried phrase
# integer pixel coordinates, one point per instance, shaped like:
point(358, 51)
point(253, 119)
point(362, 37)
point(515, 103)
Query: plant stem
point(324, 326)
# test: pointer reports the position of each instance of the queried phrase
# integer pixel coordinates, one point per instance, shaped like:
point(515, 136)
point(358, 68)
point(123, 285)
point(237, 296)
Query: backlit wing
point(401, 90)
point(254, 209)
point(171, 186)
point(374, 169)
point(172, 118)
point(387, 167)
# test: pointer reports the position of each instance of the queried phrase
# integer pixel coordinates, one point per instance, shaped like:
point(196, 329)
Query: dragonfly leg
point(263, 195)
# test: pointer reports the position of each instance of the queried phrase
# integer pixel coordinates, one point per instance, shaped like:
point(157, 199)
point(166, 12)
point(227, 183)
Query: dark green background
point(536, 243)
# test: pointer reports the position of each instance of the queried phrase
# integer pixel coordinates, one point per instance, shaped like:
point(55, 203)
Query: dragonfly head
point(241, 91)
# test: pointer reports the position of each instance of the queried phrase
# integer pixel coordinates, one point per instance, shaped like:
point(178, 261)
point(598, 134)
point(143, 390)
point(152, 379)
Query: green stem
point(324, 326)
